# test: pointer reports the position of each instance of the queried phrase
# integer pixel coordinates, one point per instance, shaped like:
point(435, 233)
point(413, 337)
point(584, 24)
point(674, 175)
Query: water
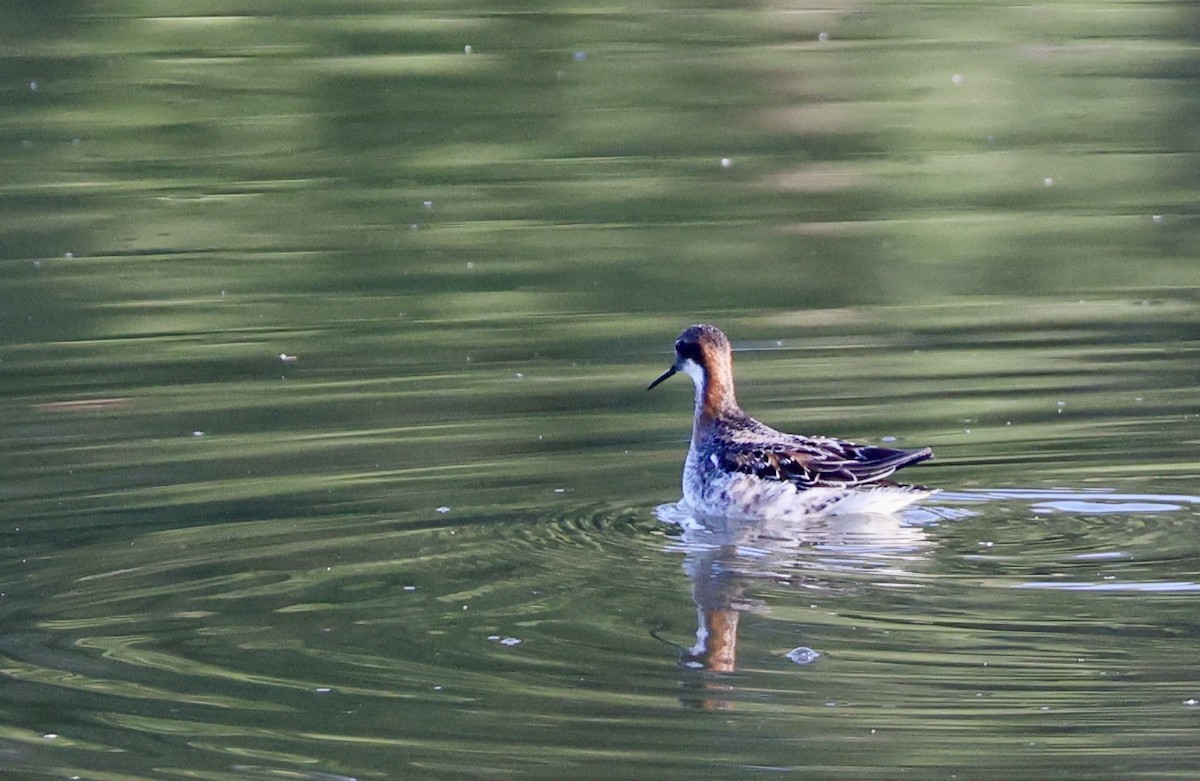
point(324, 338)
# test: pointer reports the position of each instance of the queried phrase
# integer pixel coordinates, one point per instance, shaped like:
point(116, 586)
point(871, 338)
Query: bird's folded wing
point(819, 461)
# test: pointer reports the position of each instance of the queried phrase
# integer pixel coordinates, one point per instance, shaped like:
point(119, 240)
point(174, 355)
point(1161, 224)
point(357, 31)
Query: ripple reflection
point(736, 568)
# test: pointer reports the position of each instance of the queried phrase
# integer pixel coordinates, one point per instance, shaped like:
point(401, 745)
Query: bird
point(737, 467)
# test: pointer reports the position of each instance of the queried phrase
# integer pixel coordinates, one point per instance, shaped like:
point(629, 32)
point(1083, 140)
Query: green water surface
point(325, 329)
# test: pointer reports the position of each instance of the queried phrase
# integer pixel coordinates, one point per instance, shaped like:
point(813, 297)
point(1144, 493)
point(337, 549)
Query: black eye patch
point(689, 350)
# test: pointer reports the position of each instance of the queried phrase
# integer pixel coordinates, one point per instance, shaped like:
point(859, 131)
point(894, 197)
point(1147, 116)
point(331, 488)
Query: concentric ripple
point(345, 631)
point(339, 644)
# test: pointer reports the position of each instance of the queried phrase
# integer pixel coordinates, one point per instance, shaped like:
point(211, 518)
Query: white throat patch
point(696, 372)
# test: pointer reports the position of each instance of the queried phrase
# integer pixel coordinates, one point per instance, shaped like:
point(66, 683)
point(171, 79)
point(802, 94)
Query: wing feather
point(818, 461)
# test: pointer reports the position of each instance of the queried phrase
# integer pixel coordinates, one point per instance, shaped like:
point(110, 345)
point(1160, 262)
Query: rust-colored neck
point(717, 398)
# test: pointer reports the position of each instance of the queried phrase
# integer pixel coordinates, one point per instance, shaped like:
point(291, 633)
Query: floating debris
point(504, 640)
point(803, 655)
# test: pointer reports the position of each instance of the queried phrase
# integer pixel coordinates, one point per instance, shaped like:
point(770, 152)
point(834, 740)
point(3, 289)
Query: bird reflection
point(724, 557)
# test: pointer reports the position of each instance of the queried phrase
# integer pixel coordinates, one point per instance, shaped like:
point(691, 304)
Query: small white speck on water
point(34, 86)
point(986, 544)
point(437, 688)
point(957, 79)
point(560, 490)
point(50, 735)
point(470, 265)
point(872, 732)
point(887, 439)
point(822, 37)
point(1191, 702)
point(726, 162)
point(323, 690)
point(466, 607)
point(1048, 181)
point(520, 375)
point(197, 433)
point(467, 49)
point(427, 204)
point(410, 588)
point(580, 56)
point(69, 255)
point(1157, 219)
point(287, 358)
point(803, 655)
point(443, 509)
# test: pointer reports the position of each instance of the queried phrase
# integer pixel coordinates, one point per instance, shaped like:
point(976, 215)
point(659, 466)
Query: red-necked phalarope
point(738, 467)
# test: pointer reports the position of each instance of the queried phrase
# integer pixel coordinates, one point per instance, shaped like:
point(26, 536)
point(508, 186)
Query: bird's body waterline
point(739, 467)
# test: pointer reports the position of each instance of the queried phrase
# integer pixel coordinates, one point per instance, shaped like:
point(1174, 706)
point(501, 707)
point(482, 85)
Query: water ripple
point(574, 614)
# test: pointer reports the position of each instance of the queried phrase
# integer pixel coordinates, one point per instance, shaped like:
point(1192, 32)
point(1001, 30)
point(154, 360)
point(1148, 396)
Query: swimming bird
point(738, 467)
